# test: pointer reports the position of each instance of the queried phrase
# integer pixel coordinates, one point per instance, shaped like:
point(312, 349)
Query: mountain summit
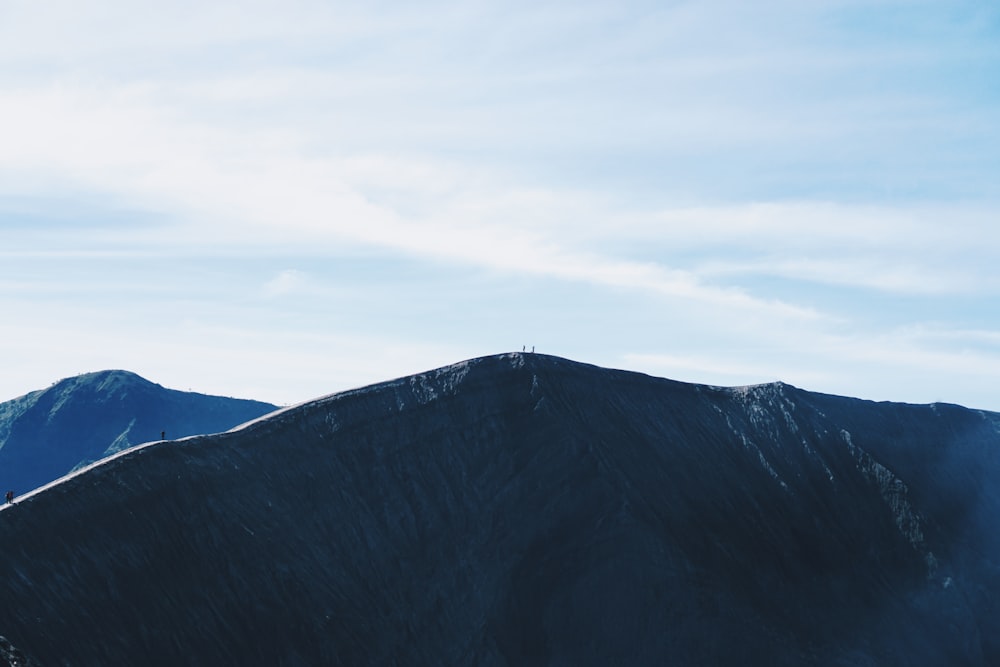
point(522, 509)
point(45, 434)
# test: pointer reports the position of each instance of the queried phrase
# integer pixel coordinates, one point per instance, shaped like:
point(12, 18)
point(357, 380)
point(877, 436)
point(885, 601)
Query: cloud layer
point(803, 192)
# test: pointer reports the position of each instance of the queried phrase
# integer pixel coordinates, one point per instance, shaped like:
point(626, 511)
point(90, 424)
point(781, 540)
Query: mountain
point(47, 433)
point(522, 509)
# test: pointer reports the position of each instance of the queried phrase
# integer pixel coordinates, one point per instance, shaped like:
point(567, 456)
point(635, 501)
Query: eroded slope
point(525, 510)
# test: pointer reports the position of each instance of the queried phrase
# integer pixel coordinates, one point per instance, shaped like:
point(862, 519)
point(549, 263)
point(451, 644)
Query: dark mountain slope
point(526, 510)
point(45, 434)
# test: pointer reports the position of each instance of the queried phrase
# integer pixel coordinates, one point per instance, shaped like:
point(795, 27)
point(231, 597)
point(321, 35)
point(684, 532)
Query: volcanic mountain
point(47, 433)
point(522, 509)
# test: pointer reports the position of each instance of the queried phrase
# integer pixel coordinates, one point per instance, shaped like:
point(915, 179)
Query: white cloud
point(224, 187)
point(722, 369)
point(286, 282)
point(682, 159)
point(902, 275)
point(118, 142)
point(912, 363)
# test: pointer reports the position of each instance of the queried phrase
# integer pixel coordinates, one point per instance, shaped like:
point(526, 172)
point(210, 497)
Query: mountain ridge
point(46, 433)
point(524, 509)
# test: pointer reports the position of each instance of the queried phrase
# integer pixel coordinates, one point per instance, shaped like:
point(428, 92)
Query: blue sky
point(283, 200)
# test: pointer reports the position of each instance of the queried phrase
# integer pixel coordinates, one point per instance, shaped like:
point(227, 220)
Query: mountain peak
point(498, 510)
point(47, 433)
point(114, 380)
point(110, 374)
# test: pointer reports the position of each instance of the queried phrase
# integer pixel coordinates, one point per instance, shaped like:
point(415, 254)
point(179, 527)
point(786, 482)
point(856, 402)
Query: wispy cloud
point(284, 283)
point(777, 185)
point(219, 189)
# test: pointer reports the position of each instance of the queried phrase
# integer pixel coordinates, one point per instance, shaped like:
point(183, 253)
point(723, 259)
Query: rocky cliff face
point(45, 434)
point(526, 510)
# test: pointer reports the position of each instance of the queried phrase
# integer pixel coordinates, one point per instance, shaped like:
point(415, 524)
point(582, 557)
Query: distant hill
point(526, 510)
point(47, 433)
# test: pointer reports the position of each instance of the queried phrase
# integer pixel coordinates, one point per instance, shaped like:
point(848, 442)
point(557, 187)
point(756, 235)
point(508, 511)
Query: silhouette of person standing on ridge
point(10, 497)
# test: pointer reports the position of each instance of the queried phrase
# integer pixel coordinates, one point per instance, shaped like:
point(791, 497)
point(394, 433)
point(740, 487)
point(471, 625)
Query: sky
point(281, 200)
